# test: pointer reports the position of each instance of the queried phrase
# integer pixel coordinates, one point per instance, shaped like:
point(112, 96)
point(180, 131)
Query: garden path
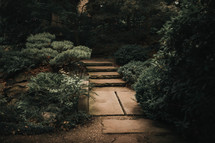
point(117, 107)
point(117, 117)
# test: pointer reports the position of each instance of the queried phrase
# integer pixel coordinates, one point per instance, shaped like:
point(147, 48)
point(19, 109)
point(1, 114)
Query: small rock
point(17, 89)
point(22, 84)
point(22, 77)
point(13, 101)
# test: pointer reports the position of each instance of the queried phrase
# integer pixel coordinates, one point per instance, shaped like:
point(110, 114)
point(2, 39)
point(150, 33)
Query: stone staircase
point(109, 96)
point(103, 74)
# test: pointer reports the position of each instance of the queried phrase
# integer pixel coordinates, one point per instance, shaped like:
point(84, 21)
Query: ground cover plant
point(49, 104)
point(37, 102)
point(14, 61)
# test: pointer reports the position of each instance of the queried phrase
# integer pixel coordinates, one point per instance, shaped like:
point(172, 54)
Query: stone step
point(107, 82)
point(97, 63)
point(104, 75)
point(101, 68)
point(115, 89)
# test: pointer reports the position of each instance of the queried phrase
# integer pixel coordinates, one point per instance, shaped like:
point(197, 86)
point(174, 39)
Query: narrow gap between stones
point(120, 103)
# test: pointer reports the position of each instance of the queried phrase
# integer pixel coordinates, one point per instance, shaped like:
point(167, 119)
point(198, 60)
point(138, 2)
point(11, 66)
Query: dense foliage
point(41, 40)
point(179, 87)
point(130, 72)
point(128, 53)
point(51, 100)
point(14, 61)
point(42, 50)
point(50, 103)
point(38, 48)
point(62, 45)
point(39, 56)
point(69, 56)
point(119, 22)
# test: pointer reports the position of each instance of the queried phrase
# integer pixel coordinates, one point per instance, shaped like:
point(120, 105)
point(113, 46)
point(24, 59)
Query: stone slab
point(129, 103)
point(123, 89)
point(104, 103)
point(101, 68)
point(107, 82)
point(115, 126)
point(104, 75)
point(96, 61)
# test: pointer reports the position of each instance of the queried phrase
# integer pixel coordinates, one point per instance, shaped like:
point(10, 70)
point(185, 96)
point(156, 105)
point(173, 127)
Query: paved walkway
point(117, 118)
point(110, 97)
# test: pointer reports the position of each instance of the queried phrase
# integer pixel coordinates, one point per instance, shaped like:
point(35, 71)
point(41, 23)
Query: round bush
point(130, 72)
point(41, 40)
point(128, 53)
point(71, 55)
point(62, 45)
point(150, 94)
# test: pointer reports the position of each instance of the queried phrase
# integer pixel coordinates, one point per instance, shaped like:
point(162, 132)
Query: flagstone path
point(109, 101)
point(110, 97)
point(117, 117)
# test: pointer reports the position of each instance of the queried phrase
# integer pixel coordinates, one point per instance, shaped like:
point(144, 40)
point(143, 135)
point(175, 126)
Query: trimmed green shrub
point(62, 45)
point(38, 52)
point(130, 72)
point(69, 56)
point(40, 55)
point(45, 37)
point(48, 53)
point(83, 48)
point(82, 52)
point(60, 53)
point(41, 40)
point(128, 53)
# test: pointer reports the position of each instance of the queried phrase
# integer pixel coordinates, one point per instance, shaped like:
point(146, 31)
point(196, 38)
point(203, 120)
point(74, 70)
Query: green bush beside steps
point(50, 104)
